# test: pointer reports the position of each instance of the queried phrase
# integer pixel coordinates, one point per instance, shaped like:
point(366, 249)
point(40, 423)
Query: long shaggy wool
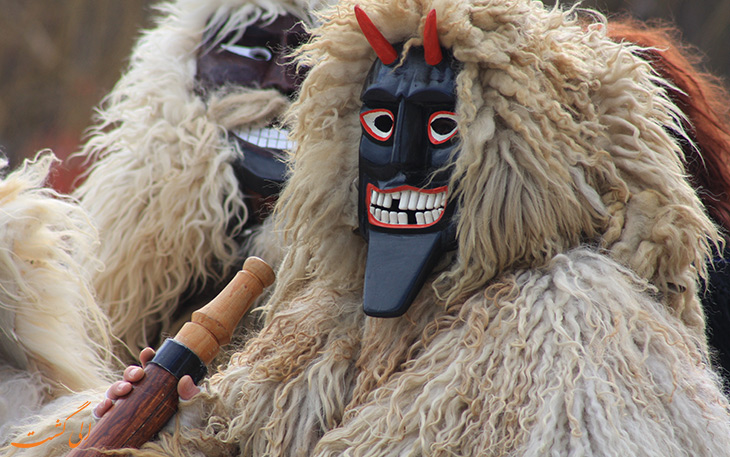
point(705, 101)
point(567, 322)
point(162, 190)
point(54, 339)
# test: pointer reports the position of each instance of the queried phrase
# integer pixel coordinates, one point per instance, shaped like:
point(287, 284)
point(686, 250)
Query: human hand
point(186, 388)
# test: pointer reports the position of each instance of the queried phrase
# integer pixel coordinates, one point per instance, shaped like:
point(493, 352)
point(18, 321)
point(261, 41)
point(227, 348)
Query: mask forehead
point(414, 80)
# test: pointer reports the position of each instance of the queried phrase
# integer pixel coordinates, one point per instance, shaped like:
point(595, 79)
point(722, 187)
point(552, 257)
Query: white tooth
point(372, 210)
point(441, 211)
point(393, 216)
point(429, 202)
point(373, 198)
point(380, 199)
point(438, 200)
point(436, 213)
point(403, 204)
point(395, 195)
point(387, 201)
point(266, 138)
point(428, 216)
point(420, 220)
point(422, 201)
point(403, 218)
point(378, 214)
point(413, 200)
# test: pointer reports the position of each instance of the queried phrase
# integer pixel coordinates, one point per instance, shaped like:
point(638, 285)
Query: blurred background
point(57, 61)
point(59, 58)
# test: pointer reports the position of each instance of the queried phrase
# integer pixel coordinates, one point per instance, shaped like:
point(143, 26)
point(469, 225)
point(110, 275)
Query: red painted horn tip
point(431, 45)
point(385, 51)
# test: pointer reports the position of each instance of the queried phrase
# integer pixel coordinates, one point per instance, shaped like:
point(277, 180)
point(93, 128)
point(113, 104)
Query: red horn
point(431, 45)
point(385, 51)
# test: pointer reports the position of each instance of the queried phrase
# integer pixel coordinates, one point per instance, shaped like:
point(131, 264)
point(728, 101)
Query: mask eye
point(252, 52)
point(378, 123)
point(442, 127)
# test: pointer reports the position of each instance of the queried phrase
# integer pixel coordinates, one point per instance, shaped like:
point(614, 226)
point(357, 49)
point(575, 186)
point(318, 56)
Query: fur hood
point(567, 139)
point(566, 322)
point(162, 190)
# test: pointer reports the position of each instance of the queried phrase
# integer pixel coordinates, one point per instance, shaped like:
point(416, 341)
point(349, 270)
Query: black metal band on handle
point(177, 359)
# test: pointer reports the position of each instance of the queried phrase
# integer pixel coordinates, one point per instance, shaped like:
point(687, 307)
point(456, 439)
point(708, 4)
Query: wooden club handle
point(136, 418)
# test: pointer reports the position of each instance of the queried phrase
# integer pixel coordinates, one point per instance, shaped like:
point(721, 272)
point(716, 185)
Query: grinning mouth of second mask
point(266, 137)
point(405, 207)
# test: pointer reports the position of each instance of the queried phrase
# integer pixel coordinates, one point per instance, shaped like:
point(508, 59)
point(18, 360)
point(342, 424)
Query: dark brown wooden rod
point(136, 418)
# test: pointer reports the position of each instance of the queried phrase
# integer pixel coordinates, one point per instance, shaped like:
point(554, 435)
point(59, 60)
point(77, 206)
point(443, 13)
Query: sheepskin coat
point(162, 190)
point(54, 339)
point(161, 216)
point(566, 322)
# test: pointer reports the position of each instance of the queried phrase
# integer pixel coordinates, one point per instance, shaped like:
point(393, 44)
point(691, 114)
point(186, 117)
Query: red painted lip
point(436, 213)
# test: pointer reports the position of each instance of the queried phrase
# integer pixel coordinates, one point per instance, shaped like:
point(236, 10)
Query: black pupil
point(383, 123)
point(443, 125)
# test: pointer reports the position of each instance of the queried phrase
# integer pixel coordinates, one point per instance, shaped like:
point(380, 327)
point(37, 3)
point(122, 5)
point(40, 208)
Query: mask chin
point(396, 269)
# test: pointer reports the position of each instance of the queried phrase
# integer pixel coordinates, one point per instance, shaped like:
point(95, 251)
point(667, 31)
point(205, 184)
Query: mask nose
point(408, 137)
point(281, 77)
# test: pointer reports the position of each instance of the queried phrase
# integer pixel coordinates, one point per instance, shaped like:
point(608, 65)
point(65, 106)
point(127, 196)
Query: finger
point(102, 408)
point(118, 389)
point(133, 373)
point(146, 355)
point(186, 388)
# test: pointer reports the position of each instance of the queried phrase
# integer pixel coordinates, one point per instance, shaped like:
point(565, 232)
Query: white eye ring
point(251, 52)
point(438, 138)
point(369, 122)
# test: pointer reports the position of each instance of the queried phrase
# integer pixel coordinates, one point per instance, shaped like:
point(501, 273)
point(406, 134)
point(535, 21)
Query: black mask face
point(407, 144)
point(257, 60)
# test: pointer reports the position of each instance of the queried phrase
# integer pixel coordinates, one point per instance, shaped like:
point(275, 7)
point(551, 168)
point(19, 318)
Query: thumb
point(186, 388)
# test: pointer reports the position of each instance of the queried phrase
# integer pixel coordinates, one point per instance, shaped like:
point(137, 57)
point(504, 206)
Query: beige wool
point(162, 190)
point(54, 339)
point(565, 323)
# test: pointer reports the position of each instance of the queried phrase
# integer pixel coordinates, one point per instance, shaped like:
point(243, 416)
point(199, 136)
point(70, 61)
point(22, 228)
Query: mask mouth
point(267, 137)
point(405, 207)
point(260, 170)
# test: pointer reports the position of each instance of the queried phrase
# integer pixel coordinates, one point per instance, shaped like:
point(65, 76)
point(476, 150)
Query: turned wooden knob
point(212, 325)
